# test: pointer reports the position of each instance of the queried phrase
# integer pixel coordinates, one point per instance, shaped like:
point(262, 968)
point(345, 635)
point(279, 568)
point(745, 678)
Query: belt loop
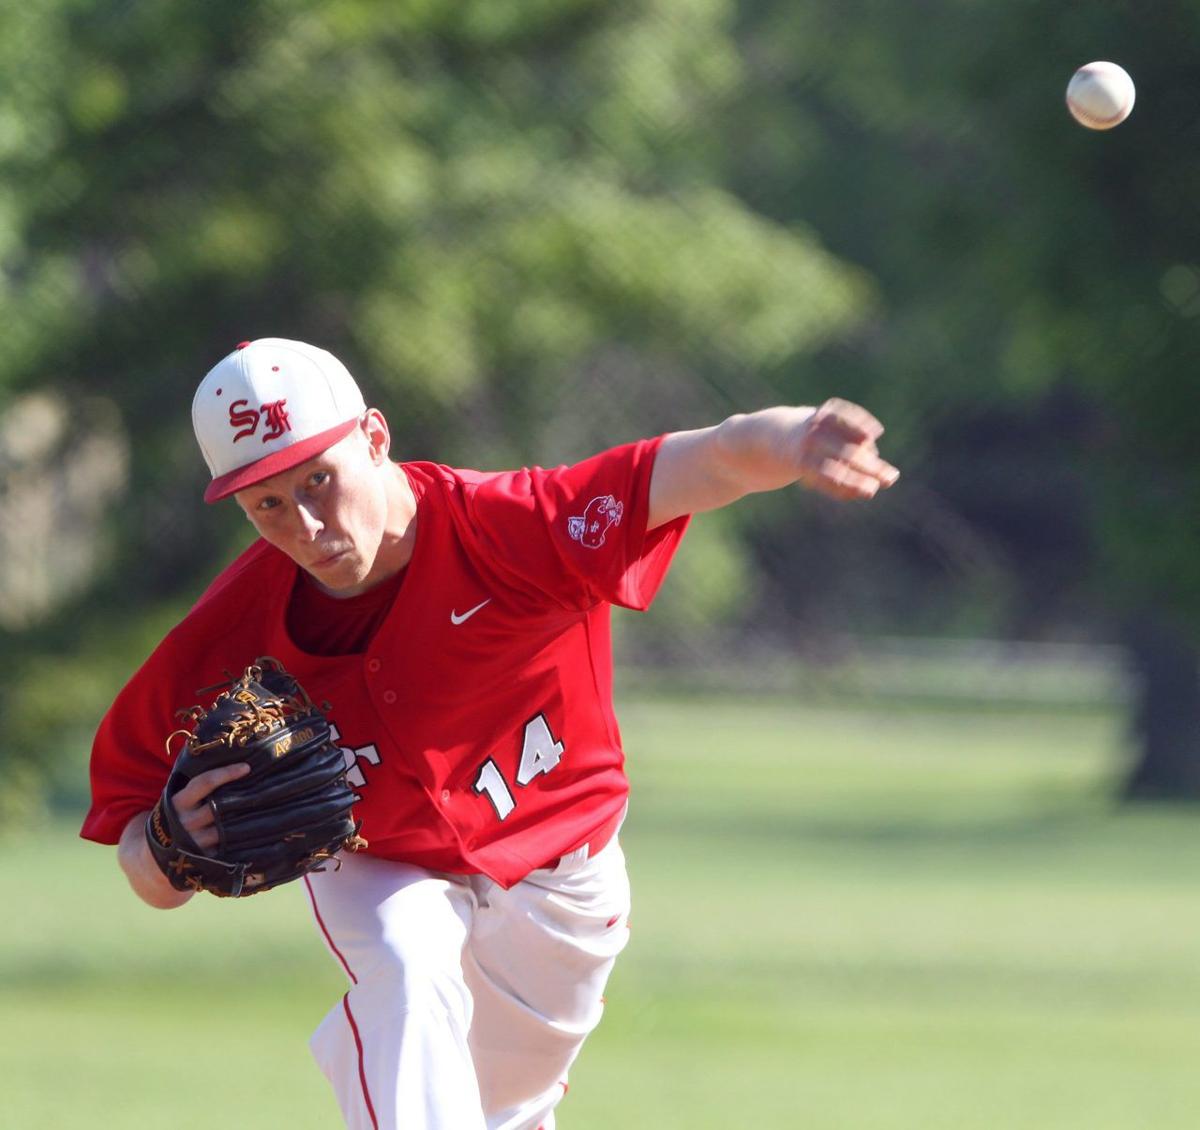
point(572, 861)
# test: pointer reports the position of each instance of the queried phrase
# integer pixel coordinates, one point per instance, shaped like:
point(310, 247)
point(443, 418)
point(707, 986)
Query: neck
point(400, 533)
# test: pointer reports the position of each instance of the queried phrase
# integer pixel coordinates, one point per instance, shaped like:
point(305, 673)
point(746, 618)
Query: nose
point(309, 522)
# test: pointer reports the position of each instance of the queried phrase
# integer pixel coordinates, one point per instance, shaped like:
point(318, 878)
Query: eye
point(268, 502)
point(317, 478)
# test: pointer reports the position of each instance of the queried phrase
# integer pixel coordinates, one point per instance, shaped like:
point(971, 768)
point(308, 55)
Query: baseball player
point(457, 625)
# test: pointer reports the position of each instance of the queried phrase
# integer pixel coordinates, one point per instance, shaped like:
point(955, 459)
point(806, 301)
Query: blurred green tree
point(1039, 305)
point(509, 220)
point(537, 229)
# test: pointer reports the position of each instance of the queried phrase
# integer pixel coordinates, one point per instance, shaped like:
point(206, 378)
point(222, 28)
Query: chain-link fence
point(537, 230)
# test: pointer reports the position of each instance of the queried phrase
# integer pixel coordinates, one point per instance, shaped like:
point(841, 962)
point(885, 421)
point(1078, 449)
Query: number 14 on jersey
point(540, 752)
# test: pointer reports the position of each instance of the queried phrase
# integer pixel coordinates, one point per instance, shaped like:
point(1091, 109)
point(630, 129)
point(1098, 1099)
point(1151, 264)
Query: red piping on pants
point(312, 898)
point(362, 1071)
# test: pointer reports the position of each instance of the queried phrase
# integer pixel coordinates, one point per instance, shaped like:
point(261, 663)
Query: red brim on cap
point(283, 460)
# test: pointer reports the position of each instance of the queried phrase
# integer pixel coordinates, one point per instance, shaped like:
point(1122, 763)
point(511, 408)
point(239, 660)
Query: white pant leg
point(395, 1048)
point(536, 963)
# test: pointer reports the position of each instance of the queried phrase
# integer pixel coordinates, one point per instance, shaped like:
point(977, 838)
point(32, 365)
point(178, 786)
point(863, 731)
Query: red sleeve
point(578, 533)
point(130, 764)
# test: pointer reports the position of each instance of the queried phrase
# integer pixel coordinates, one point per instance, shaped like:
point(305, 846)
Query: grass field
point(842, 919)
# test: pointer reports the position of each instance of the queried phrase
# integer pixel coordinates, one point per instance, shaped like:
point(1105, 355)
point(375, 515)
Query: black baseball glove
point(287, 816)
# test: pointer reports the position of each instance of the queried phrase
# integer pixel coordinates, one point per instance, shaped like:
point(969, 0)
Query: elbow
point(736, 467)
point(727, 439)
point(727, 449)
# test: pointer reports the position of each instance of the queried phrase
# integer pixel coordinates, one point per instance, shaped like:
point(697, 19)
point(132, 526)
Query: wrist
point(758, 451)
point(143, 873)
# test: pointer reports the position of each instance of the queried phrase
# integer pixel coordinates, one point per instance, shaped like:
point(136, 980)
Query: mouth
point(324, 562)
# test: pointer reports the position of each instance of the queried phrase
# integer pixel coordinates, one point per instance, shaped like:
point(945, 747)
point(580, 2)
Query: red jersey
point(478, 723)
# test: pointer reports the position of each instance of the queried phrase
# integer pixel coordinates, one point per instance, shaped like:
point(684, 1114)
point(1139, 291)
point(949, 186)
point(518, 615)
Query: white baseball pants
point(468, 1003)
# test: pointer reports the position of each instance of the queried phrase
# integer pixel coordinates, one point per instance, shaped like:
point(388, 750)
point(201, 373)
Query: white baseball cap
point(268, 406)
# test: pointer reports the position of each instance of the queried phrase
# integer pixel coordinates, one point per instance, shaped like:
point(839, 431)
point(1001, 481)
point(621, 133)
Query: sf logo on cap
point(247, 419)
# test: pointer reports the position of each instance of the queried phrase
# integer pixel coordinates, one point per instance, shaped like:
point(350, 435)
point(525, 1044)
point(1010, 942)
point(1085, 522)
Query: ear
point(379, 439)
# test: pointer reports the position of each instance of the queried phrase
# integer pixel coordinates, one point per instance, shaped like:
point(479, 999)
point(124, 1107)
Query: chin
point(341, 576)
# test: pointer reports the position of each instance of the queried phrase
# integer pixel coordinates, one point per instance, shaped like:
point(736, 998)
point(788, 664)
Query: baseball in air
point(1100, 95)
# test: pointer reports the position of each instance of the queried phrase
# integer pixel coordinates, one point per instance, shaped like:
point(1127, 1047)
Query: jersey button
point(445, 796)
point(389, 697)
point(373, 665)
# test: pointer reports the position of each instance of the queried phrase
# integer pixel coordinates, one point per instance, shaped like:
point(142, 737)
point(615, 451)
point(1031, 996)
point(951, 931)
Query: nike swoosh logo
point(456, 619)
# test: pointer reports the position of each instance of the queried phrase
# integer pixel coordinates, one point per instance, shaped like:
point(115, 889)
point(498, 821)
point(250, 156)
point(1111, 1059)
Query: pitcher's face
point(329, 513)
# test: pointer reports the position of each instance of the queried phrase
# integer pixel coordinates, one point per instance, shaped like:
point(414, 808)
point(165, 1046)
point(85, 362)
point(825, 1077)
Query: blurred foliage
point(535, 230)
point(1039, 309)
point(467, 205)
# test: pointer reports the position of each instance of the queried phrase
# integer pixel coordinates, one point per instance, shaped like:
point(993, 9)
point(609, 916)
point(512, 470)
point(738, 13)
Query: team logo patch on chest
point(590, 527)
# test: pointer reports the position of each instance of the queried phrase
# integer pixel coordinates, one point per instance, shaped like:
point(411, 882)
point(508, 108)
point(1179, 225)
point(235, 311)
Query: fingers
point(839, 453)
point(852, 421)
point(864, 459)
point(191, 805)
point(197, 790)
point(843, 479)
